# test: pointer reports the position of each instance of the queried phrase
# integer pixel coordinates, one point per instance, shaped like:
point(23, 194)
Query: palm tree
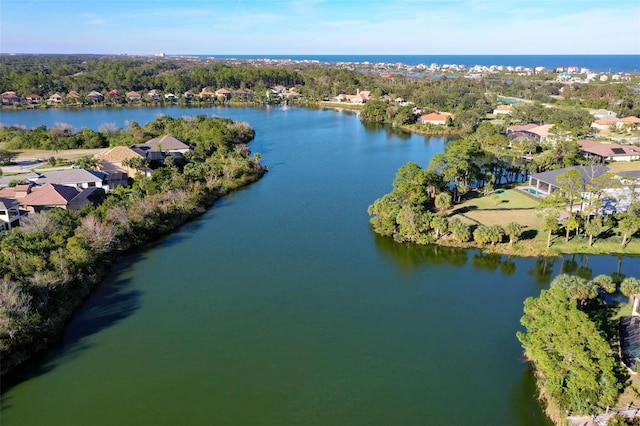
point(571, 224)
point(441, 224)
point(460, 230)
point(496, 234)
point(513, 231)
point(593, 229)
point(550, 224)
point(443, 201)
point(605, 282)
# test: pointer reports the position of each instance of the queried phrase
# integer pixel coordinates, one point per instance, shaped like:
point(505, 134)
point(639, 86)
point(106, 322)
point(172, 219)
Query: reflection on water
point(410, 256)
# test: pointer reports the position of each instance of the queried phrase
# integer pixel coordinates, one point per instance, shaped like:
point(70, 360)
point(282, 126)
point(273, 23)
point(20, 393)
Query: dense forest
point(53, 260)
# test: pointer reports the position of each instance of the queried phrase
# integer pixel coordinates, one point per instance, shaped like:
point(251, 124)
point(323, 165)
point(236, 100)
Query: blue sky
point(321, 26)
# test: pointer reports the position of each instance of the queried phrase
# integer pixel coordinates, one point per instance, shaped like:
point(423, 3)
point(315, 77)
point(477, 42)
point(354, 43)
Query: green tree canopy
point(575, 365)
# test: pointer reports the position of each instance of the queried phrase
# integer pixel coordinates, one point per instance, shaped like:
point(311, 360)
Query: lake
point(280, 306)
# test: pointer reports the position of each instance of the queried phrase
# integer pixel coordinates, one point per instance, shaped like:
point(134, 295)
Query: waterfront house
point(34, 98)
point(74, 95)
point(244, 94)
point(531, 131)
point(153, 94)
point(170, 97)
point(223, 94)
point(56, 98)
point(437, 118)
point(360, 97)
point(188, 95)
point(9, 214)
point(134, 96)
point(111, 163)
point(546, 182)
point(166, 143)
point(605, 151)
point(615, 198)
point(10, 98)
point(78, 178)
point(48, 197)
point(95, 97)
point(206, 93)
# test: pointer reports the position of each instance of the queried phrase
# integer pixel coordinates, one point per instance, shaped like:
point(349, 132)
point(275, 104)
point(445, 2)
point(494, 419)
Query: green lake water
point(280, 306)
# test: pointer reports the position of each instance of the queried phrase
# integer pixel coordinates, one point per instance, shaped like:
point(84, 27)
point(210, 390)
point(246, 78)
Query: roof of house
point(15, 192)
point(630, 173)
point(606, 121)
point(631, 119)
point(604, 149)
point(166, 142)
point(8, 203)
point(89, 195)
point(588, 174)
point(436, 116)
point(522, 128)
point(504, 107)
point(118, 153)
point(50, 194)
point(541, 130)
point(71, 176)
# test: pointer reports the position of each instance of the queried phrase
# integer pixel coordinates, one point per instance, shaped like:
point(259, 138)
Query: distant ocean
point(602, 63)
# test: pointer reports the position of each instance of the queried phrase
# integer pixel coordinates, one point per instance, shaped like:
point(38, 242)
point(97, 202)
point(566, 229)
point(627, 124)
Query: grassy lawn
point(501, 207)
point(624, 166)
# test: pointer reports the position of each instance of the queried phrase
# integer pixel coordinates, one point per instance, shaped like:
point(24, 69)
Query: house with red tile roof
point(437, 118)
point(48, 197)
point(10, 98)
point(34, 98)
point(503, 109)
point(206, 93)
point(111, 163)
point(134, 96)
point(616, 123)
point(605, 151)
point(223, 93)
point(95, 97)
point(530, 131)
point(56, 98)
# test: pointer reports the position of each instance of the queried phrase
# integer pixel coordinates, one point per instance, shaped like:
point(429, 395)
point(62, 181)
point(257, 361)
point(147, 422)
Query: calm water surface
point(281, 307)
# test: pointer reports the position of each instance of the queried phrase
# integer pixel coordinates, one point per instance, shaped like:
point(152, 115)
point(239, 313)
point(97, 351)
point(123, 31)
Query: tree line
point(472, 98)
